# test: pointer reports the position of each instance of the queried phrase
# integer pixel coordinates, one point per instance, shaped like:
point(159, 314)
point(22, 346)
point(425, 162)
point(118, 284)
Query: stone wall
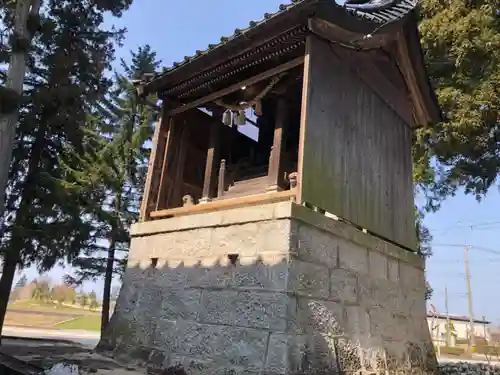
point(271, 289)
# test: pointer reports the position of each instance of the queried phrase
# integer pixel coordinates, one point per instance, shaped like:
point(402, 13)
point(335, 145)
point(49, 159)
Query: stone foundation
point(271, 289)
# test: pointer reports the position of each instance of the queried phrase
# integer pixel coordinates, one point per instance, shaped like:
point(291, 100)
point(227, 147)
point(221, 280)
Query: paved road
point(90, 339)
point(85, 338)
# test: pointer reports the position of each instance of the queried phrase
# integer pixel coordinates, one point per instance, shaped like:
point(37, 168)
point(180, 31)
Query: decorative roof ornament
point(382, 11)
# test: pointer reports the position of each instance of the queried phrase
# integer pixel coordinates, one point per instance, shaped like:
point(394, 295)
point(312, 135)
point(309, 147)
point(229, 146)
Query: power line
point(484, 224)
point(442, 262)
point(459, 225)
point(480, 248)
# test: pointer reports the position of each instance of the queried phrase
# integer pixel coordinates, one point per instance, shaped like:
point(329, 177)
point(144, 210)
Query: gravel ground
point(467, 368)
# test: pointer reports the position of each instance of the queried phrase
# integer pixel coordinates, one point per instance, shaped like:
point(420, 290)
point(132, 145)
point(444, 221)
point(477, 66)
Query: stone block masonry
point(271, 289)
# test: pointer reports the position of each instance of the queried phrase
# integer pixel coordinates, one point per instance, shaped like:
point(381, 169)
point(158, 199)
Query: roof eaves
point(239, 32)
point(458, 318)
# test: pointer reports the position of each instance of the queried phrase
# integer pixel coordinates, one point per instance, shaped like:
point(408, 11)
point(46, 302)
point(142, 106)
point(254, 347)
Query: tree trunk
point(108, 279)
point(8, 122)
point(16, 242)
point(14, 83)
point(8, 273)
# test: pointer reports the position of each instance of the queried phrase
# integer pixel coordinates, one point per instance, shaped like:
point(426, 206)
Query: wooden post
point(167, 158)
point(222, 178)
point(212, 156)
point(275, 161)
point(154, 166)
point(181, 161)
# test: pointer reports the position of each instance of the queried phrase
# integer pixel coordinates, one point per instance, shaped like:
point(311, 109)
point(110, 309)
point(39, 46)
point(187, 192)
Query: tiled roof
point(225, 39)
point(458, 318)
point(379, 12)
point(382, 11)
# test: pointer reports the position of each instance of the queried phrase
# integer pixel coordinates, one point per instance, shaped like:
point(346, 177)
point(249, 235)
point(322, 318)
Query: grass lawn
point(87, 323)
point(36, 314)
point(50, 307)
point(31, 320)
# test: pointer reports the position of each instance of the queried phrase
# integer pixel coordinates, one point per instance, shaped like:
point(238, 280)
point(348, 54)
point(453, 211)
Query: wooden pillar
point(213, 153)
point(154, 167)
point(161, 201)
point(275, 175)
point(178, 182)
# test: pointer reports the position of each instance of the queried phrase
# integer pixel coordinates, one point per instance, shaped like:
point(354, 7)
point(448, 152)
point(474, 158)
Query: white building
point(460, 328)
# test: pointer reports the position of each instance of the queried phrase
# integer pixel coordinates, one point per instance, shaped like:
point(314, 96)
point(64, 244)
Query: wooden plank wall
point(354, 151)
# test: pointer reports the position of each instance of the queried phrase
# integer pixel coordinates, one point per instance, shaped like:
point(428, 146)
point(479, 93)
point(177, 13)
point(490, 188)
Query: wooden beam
point(181, 161)
point(213, 152)
point(222, 175)
point(369, 73)
point(276, 160)
point(412, 66)
point(227, 204)
point(303, 116)
point(248, 82)
point(167, 158)
point(406, 67)
point(155, 156)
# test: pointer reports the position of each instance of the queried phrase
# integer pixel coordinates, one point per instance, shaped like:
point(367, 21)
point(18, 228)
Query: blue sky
point(177, 29)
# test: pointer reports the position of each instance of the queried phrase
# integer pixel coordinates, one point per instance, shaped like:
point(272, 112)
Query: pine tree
point(461, 41)
point(424, 247)
point(22, 282)
point(45, 221)
point(121, 166)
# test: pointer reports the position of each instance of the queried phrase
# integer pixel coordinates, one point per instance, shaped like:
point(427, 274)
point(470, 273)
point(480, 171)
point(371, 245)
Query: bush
point(488, 349)
point(452, 350)
point(480, 341)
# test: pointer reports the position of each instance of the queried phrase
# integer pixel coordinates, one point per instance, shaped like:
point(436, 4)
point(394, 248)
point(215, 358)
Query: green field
point(85, 323)
point(34, 314)
point(49, 307)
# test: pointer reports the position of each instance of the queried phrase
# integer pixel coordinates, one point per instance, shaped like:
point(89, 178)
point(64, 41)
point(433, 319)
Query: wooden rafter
point(248, 82)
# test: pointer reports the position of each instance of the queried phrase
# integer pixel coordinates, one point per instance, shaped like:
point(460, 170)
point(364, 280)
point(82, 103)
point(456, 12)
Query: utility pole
point(472, 340)
point(448, 328)
point(484, 328)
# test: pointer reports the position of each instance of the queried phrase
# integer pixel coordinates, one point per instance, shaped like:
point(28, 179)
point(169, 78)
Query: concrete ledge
point(252, 214)
point(276, 211)
point(354, 235)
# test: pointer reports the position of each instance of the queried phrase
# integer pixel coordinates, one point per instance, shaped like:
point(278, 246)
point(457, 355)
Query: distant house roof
point(458, 318)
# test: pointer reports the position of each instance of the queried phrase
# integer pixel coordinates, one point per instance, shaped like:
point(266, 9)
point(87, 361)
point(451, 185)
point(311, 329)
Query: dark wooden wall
point(354, 152)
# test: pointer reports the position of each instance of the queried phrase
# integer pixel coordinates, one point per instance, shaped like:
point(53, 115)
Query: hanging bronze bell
point(226, 118)
point(241, 119)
